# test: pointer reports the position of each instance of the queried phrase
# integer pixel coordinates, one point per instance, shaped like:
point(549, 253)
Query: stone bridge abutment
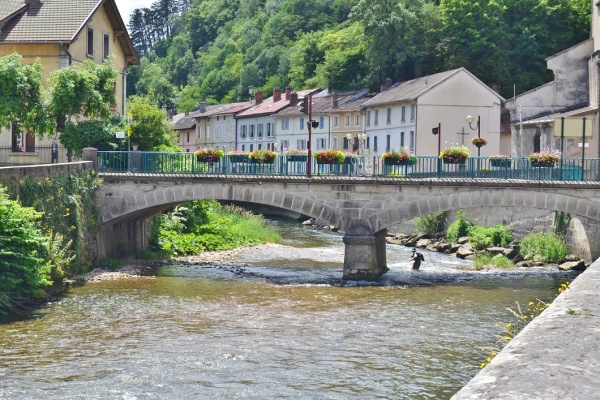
point(361, 207)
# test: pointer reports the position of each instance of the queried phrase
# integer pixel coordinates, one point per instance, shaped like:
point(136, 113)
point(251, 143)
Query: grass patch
point(485, 260)
point(543, 247)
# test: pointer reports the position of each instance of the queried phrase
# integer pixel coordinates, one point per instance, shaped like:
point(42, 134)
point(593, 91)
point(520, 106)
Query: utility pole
point(309, 144)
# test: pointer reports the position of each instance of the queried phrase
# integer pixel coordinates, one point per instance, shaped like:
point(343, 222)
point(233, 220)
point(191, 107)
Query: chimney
point(201, 107)
point(288, 92)
point(258, 97)
point(276, 94)
point(293, 98)
point(385, 86)
point(334, 100)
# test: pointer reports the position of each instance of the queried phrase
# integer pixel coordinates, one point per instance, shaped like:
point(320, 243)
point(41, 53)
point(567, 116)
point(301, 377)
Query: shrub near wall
point(69, 214)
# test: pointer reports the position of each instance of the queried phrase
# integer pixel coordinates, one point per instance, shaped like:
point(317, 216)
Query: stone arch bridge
point(361, 207)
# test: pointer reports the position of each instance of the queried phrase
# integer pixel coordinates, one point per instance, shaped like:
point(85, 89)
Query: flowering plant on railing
point(329, 156)
point(500, 160)
point(237, 156)
point(296, 152)
point(401, 156)
point(209, 155)
point(479, 141)
point(546, 158)
point(454, 154)
point(263, 156)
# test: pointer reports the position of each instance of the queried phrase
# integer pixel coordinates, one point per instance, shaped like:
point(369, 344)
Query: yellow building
point(61, 33)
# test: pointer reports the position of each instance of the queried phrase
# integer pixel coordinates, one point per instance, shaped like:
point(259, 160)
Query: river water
point(282, 326)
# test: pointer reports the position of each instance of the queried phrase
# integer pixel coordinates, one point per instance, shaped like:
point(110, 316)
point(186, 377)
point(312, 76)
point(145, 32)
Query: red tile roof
point(268, 106)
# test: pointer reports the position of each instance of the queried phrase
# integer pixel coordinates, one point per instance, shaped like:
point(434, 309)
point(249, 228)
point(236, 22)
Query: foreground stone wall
point(555, 357)
point(13, 175)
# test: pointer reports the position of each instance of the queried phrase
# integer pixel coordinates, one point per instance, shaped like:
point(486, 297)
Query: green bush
point(23, 272)
point(432, 223)
point(486, 260)
point(481, 237)
point(543, 247)
point(458, 228)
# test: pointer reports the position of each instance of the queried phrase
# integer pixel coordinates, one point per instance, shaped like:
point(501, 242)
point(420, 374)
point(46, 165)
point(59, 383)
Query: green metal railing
point(569, 169)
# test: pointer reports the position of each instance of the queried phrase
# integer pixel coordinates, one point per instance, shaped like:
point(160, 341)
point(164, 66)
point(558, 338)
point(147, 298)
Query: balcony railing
point(569, 169)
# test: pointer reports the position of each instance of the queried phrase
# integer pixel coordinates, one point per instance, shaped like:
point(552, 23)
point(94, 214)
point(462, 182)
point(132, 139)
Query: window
point(251, 131)
point(357, 120)
point(105, 48)
point(388, 143)
point(90, 42)
point(375, 143)
point(336, 121)
point(536, 143)
point(243, 147)
point(346, 143)
point(347, 120)
point(259, 130)
point(402, 139)
point(243, 130)
point(412, 140)
point(413, 111)
point(301, 144)
point(368, 118)
point(368, 143)
point(259, 146)
point(321, 144)
point(403, 115)
point(376, 122)
point(251, 148)
point(285, 144)
point(217, 117)
point(282, 124)
point(208, 132)
point(301, 123)
point(198, 132)
point(389, 115)
point(335, 143)
point(269, 130)
point(321, 122)
point(188, 136)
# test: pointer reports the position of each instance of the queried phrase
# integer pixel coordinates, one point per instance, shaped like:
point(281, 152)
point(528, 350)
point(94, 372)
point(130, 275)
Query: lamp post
point(470, 120)
point(361, 140)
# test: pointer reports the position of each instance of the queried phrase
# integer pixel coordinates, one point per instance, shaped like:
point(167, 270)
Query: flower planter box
point(504, 163)
point(541, 165)
point(266, 162)
point(326, 162)
point(297, 158)
point(389, 161)
point(207, 160)
point(460, 162)
point(237, 158)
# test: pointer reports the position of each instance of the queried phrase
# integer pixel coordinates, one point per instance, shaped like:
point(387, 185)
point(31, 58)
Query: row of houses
point(400, 115)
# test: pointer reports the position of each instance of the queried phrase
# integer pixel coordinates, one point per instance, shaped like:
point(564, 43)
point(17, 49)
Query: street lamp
point(470, 120)
point(361, 140)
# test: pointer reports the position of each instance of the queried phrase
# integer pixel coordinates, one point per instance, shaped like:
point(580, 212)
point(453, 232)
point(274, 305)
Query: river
point(282, 326)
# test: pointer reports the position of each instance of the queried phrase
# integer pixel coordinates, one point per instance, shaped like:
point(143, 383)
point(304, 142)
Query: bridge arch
point(363, 208)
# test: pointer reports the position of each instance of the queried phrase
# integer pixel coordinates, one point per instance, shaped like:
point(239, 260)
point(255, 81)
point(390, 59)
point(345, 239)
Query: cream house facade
point(61, 33)
point(406, 113)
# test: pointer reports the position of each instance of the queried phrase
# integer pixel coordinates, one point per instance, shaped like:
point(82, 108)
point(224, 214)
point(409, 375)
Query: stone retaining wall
point(13, 175)
point(555, 357)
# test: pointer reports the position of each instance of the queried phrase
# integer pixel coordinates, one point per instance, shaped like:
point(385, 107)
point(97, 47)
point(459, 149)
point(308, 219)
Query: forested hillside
point(217, 49)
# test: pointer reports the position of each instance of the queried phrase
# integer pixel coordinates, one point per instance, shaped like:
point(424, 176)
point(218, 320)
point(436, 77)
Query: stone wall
point(11, 176)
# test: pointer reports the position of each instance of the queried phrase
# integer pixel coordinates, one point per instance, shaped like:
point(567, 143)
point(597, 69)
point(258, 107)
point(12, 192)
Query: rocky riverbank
point(465, 250)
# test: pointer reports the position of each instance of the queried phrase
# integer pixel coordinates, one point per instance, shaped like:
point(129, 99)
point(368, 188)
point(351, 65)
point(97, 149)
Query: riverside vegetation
point(46, 232)
point(47, 229)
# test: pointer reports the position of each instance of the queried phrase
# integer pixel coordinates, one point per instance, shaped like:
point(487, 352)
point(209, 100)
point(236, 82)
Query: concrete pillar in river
point(364, 257)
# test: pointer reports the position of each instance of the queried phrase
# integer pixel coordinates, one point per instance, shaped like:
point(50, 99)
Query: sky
point(126, 7)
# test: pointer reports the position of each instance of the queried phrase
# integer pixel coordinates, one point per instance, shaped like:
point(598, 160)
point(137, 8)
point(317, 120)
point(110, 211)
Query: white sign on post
point(120, 135)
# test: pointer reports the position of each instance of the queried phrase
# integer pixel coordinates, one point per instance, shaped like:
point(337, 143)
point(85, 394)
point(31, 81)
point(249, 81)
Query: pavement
point(556, 356)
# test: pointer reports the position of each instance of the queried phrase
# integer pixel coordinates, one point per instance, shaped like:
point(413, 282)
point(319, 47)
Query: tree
point(21, 95)
point(92, 133)
point(156, 87)
point(84, 89)
point(22, 269)
point(149, 128)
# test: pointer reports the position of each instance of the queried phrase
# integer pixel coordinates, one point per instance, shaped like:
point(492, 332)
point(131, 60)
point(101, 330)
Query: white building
point(405, 114)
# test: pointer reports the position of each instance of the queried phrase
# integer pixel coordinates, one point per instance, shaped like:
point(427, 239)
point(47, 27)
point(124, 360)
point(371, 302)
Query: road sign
point(120, 135)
